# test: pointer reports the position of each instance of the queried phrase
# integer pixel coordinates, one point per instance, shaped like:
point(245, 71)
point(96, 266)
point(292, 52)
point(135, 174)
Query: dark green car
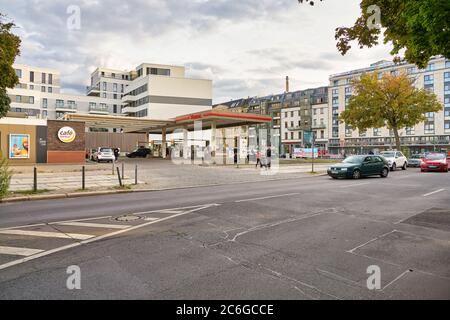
point(355, 167)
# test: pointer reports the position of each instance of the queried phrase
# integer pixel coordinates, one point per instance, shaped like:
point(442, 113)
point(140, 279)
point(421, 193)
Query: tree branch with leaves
point(393, 102)
point(9, 50)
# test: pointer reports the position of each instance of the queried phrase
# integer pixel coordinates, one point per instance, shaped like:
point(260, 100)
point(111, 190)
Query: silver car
point(415, 160)
point(104, 155)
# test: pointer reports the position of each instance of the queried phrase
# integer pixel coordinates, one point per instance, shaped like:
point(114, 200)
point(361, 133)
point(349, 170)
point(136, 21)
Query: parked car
point(103, 154)
point(139, 153)
point(435, 162)
point(355, 167)
point(396, 159)
point(415, 160)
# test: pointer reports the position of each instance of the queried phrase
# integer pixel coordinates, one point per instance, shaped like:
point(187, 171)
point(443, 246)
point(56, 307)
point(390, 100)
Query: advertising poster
point(19, 146)
point(308, 153)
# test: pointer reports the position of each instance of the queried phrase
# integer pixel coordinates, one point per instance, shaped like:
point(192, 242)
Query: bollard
point(35, 187)
point(118, 175)
point(83, 178)
point(136, 175)
point(113, 163)
point(123, 171)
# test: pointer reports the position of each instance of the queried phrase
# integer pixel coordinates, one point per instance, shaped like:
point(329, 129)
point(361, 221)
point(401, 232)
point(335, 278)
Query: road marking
point(370, 241)
point(434, 192)
point(77, 244)
point(93, 225)
point(396, 279)
point(19, 251)
point(43, 234)
point(355, 185)
point(268, 197)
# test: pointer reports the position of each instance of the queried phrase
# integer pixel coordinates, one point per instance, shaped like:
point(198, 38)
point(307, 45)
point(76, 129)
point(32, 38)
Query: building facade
point(153, 91)
point(433, 134)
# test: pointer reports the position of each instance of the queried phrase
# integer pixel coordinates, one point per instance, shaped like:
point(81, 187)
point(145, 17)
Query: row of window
point(139, 102)
point(45, 78)
point(139, 90)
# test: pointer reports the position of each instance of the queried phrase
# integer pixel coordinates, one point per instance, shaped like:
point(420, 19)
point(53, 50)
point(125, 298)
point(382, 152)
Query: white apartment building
point(433, 134)
point(154, 91)
point(163, 92)
point(38, 94)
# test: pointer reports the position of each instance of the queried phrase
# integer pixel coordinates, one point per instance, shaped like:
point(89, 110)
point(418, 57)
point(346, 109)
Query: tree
point(393, 102)
point(421, 27)
point(9, 50)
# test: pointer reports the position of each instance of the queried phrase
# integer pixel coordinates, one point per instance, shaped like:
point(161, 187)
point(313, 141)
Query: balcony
point(128, 98)
point(99, 109)
point(66, 107)
point(93, 91)
point(319, 126)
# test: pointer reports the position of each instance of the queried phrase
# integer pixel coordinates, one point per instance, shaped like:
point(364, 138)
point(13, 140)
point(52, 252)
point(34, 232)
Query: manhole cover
point(127, 218)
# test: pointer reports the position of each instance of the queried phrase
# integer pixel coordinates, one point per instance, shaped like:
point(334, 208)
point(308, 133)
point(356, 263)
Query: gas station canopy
point(145, 125)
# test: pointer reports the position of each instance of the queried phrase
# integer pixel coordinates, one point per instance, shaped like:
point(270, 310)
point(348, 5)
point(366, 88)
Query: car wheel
point(385, 173)
point(394, 167)
point(405, 166)
point(356, 174)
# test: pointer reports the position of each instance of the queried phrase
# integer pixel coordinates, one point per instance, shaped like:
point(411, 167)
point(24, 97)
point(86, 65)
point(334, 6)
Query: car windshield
point(435, 157)
point(105, 150)
point(417, 156)
point(354, 159)
point(388, 154)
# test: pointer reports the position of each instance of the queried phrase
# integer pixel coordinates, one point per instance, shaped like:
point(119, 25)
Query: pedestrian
point(269, 156)
point(116, 153)
point(258, 159)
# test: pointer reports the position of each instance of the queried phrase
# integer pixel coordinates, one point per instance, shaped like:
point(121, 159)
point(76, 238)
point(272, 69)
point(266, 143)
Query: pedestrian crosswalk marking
point(94, 225)
point(26, 252)
point(43, 234)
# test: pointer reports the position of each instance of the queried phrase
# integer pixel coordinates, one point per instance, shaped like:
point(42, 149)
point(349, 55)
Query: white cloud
point(247, 47)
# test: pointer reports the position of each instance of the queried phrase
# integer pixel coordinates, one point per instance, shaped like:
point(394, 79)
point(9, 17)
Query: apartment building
point(38, 94)
point(433, 134)
point(163, 92)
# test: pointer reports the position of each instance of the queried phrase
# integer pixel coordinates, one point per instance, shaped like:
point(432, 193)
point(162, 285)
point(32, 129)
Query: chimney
point(287, 84)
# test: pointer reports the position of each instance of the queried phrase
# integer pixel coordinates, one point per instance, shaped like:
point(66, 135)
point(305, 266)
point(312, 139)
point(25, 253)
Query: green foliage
point(5, 177)
point(420, 27)
point(393, 102)
point(9, 50)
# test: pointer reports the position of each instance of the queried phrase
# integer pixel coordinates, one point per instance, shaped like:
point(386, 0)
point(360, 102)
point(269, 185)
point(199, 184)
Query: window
point(71, 104)
point(60, 114)
point(447, 125)
point(42, 89)
point(44, 76)
point(411, 70)
point(122, 87)
point(292, 124)
point(429, 78)
point(104, 86)
point(31, 100)
point(31, 87)
point(429, 128)
point(410, 131)
point(447, 64)
point(104, 95)
point(292, 113)
point(430, 116)
point(321, 110)
point(115, 108)
point(18, 99)
point(115, 87)
point(447, 112)
point(286, 125)
point(44, 103)
point(349, 80)
point(50, 89)
point(377, 132)
point(336, 82)
point(44, 114)
point(285, 136)
point(31, 76)
point(315, 111)
point(50, 78)
point(335, 92)
point(322, 134)
point(115, 96)
point(59, 103)
point(18, 73)
point(113, 75)
point(430, 67)
point(292, 136)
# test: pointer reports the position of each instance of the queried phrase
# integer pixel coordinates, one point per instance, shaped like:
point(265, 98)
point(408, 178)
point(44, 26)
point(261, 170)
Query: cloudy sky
point(246, 46)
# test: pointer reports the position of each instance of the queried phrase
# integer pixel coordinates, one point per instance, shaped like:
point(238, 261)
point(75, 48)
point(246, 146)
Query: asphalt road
point(309, 238)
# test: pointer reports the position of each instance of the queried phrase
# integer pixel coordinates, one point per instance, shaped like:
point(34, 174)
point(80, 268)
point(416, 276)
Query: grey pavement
point(308, 238)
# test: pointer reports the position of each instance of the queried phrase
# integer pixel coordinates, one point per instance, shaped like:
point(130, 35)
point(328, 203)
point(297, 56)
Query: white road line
point(434, 192)
point(19, 251)
point(268, 197)
point(355, 185)
point(77, 244)
point(396, 279)
point(177, 210)
point(43, 234)
point(370, 241)
point(93, 225)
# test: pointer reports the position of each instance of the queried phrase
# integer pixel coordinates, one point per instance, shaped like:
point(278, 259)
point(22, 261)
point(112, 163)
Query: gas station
point(228, 131)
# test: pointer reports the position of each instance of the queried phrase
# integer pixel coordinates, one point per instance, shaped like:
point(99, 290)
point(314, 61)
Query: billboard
point(19, 146)
point(306, 152)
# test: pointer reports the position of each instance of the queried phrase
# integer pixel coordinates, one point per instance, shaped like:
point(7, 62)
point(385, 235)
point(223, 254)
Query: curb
point(73, 195)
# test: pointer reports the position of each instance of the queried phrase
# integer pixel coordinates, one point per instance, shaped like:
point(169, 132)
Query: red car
point(435, 162)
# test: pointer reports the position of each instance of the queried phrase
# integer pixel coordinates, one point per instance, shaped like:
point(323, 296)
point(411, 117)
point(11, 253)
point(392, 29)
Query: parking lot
point(308, 238)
